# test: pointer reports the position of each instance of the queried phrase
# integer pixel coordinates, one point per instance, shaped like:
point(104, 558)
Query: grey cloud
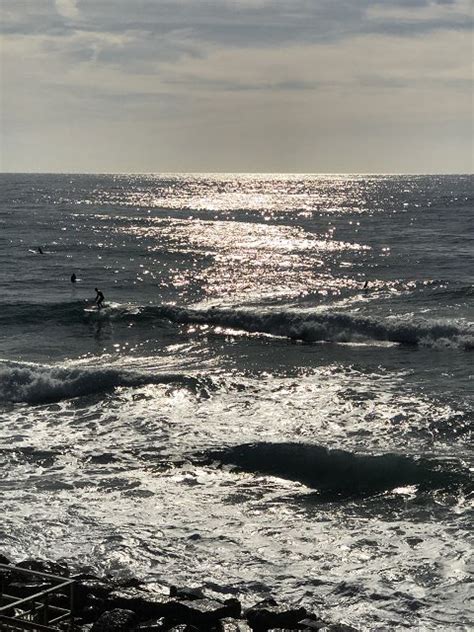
point(29, 17)
point(224, 22)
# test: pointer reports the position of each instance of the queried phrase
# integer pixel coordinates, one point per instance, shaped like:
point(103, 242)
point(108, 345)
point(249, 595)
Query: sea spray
point(40, 384)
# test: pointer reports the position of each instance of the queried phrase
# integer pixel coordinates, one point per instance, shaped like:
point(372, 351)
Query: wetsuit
point(99, 298)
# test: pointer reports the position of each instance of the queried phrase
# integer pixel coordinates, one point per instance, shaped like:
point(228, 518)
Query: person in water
point(40, 250)
point(73, 277)
point(99, 298)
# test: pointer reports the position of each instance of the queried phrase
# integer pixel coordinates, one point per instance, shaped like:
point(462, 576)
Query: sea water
point(277, 398)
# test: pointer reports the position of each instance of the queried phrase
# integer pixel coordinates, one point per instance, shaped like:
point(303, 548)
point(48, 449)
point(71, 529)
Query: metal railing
point(38, 611)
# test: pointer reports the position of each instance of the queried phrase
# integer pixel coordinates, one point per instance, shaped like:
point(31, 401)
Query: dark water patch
point(44, 458)
point(29, 313)
point(447, 292)
point(338, 473)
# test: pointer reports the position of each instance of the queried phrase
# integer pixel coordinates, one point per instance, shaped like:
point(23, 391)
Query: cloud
point(241, 22)
point(243, 73)
point(67, 8)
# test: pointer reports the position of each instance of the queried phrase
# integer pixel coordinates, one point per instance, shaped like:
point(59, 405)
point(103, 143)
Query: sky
point(301, 86)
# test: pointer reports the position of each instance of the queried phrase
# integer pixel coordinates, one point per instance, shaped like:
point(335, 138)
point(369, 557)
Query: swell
point(446, 292)
point(329, 325)
point(26, 313)
point(339, 472)
point(42, 384)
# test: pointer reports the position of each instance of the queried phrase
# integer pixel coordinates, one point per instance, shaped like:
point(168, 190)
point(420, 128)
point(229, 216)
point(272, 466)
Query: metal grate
point(37, 612)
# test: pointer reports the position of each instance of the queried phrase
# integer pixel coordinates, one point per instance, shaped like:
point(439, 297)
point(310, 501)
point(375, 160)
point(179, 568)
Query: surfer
point(366, 285)
point(40, 250)
point(73, 277)
point(99, 298)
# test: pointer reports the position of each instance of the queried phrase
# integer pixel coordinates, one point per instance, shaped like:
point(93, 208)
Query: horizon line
point(247, 173)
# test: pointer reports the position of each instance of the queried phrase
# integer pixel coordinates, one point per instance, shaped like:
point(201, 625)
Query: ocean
point(277, 398)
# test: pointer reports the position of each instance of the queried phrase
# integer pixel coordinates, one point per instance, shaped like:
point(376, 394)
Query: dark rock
point(92, 608)
point(90, 614)
point(187, 593)
point(45, 566)
point(74, 626)
point(89, 585)
point(233, 625)
point(6, 576)
point(145, 604)
point(59, 600)
point(19, 574)
point(268, 614)
point(341, 627)
point(157, 625)
point(234, 605)
point(114, 621)
point(27, 588)
point(202, 612)
point(128, 582)
point(4, 560)
point(312, 624)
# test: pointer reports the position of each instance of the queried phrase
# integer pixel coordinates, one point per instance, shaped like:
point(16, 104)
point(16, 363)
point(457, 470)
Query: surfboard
point(94, 309)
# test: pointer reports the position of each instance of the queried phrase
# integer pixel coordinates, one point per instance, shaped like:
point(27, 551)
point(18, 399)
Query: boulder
point(155, 625)
point(234, 605)
point(312, 624)
point(145, 604)
point(27, 588)
point(45, 566)
point(186, 593)
point(268, 614)
point(202, 612)
point(86, 585)
point(233, 625)
point(114, 621)
point(92, 608)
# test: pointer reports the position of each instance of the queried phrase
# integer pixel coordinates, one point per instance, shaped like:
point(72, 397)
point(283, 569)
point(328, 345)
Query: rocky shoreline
point(113, 605)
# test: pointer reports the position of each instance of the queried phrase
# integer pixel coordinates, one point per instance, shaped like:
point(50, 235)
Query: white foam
point(37, 384)
point(330, 326)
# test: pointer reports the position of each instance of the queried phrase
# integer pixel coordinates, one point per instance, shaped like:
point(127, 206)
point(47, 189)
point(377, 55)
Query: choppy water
point(237, 315)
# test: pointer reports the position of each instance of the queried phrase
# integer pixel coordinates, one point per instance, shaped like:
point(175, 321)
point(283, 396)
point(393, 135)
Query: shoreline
point(108, 604)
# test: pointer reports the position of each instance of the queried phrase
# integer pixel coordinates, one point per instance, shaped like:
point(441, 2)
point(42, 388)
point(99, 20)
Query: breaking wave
point(40, 384)
point(308, 326)
point(337, 471)
point(328, 326)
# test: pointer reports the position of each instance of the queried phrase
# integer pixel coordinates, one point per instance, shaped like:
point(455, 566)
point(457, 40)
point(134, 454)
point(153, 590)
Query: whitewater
point(277, 399)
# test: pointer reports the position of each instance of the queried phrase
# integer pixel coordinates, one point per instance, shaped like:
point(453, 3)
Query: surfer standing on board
point(99, 298)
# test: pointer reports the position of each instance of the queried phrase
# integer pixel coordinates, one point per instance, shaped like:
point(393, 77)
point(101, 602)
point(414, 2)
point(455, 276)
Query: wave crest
point(325, 326)
point(308, 326)
point(40, 384)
